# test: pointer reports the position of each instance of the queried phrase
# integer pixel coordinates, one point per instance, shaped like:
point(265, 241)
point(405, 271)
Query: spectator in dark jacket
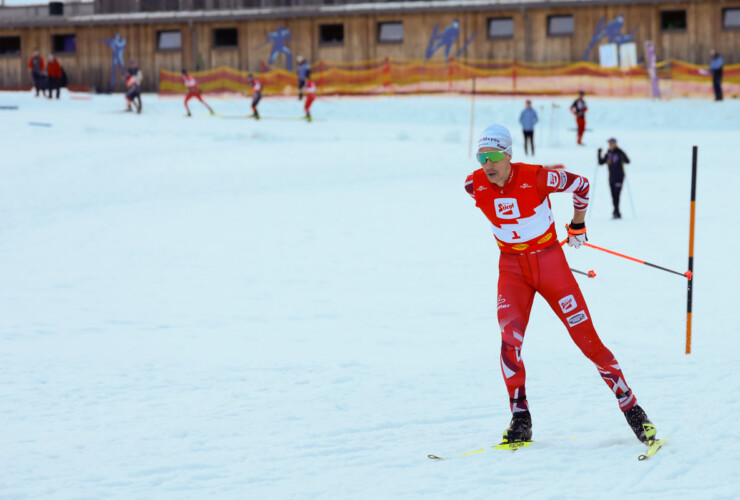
point(304, 73)
point(715, 68)
point(528, 118)
point(54, 69)
point(38, 73)
point(615, 158)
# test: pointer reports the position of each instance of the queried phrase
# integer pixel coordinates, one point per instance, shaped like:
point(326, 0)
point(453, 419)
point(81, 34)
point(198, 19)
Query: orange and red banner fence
point(416, 76)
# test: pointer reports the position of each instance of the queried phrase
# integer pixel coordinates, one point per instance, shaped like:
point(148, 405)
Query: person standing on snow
point(615, 158)
point(310, 97)
point(133, 93)
point(193, 91)
point(528, 119)
point(304, 73)
point(715, 68)
point(38, 74)
point(579, 108)
point(256, 87)
point(55, 72)
point(515, 199)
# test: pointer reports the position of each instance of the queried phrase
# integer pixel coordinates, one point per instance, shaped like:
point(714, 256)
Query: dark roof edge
point(312, 11)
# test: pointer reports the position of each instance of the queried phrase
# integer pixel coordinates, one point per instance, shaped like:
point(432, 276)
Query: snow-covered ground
point(224, 308)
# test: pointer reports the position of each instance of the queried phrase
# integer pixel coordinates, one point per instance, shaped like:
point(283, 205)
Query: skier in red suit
point(310, 90)
point(514, 197)
point(579, 108)
point(193, 91)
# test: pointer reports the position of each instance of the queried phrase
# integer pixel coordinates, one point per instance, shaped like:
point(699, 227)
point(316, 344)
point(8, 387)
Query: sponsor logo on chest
point(507, 208)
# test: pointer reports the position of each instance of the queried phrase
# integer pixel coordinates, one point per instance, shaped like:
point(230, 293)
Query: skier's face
point(496, 171)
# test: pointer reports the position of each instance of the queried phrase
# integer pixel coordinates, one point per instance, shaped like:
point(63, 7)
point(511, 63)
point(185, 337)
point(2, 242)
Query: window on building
point(673, 20)
point(225, 37)
point(390, 32)
point(169, 40)
point(731, 18)
point(331, 34)
point(560, 25)
point(500, 27)
point(10, 45)
point(63, 43)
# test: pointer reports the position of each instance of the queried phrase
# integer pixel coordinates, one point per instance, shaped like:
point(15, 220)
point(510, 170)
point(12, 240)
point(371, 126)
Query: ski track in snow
point(214, 308)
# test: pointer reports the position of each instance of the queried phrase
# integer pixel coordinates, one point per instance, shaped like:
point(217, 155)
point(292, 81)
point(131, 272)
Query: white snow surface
point(226, 308)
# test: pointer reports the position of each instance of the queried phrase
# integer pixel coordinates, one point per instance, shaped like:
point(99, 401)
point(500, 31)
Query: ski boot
point(641, 424)
point(520, 428)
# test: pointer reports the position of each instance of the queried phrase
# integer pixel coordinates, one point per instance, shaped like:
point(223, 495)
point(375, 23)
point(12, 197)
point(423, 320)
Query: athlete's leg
point(187, 98)
point(581, 123)
point(515, 298)
point(559, 287)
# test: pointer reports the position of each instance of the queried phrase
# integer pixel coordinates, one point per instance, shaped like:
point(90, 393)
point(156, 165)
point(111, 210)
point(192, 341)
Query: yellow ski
point(502, 446)
point(653, 448)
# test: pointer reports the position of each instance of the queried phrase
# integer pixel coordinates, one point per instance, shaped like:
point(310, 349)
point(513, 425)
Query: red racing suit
point(532, 262)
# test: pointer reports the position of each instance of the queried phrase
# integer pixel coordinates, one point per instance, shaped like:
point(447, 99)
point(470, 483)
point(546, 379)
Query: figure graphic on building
point(612, 31)
point(446, 38)
point(117, 45)
point(278, 38)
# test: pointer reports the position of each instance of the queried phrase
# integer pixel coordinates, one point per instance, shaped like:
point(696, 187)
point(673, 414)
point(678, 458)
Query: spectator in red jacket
point(38, 73)
point(54, 70)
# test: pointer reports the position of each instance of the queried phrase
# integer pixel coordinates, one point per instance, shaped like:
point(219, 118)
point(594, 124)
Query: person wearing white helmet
point(514, 197)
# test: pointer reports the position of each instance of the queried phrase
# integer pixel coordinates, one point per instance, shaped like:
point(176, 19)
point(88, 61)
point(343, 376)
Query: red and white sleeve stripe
point(469, 186)
point(579, 187)
point(561, 181)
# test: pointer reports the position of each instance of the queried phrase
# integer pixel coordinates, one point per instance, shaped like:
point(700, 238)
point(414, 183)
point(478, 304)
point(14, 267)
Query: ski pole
point(629, 193)
point(590, 274)
point(687, 274)
point(593, 191)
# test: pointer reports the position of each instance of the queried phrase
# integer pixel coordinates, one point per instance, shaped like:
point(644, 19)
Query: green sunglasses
point(494, 156)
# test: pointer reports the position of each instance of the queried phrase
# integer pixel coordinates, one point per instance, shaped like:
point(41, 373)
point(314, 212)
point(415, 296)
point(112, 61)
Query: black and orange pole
point(692, 218)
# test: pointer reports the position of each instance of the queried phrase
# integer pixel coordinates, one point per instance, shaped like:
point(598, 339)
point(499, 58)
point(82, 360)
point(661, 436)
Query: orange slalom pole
point(687, 274)
point(689, 286)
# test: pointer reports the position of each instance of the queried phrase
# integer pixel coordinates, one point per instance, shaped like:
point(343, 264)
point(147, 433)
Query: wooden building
point(241, 34)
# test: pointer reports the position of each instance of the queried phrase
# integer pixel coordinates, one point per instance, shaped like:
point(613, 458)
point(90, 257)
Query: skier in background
point(528, 118)
point(615, 158)
point(716, 68)
point(579, 108)
point(38, 72)
point(310, 97)
point(55, 75)
point(133, 93)
point(255, 87)
point(304, 73)
point(193, 91)
point(514, 197)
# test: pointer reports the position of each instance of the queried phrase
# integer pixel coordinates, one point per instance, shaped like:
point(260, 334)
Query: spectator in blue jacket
point(304, 73)
point(715, 67)
point(528, 118)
